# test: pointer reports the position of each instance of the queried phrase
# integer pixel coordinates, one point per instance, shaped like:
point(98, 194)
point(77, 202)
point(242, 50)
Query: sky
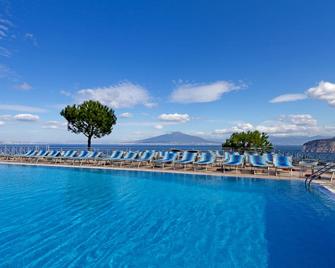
point(207, 68)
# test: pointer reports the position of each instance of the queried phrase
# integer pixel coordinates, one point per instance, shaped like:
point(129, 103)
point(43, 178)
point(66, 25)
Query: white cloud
point(240, 127)
point(54, 124)
point(4, 52)
point(123, 95)
point(323, 91)
point(299, 119)
point(288, 98)
point(24, 86)
point(21, 108)
point(6, 72)
point(190, 93)
point(285, 125)
point(30, 37)
point(158, 126)
point(2, 123)
point(176, 118)
point(126, 115)
point(26, 117)
point(6, 117)
point(65, 93)
point(4, 28)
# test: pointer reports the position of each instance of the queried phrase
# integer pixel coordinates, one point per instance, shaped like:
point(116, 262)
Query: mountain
point(320, 146)
point(293, 140)
point(176, 138)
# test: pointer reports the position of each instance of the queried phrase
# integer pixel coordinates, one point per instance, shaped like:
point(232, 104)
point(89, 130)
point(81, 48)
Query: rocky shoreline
point(320, 146)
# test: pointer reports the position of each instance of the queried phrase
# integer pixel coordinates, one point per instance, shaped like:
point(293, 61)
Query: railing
point(318, 173)
point(297, 155)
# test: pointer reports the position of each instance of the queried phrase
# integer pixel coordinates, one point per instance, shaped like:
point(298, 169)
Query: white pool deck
point(244, 173)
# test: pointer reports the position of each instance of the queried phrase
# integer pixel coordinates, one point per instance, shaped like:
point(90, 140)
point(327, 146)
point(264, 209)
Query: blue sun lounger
point(206, 159)
point(65, 156)
point(49, 155)
point(91, 157)
point(146, 157)
point(128, 157)
point(32, 153)
point(82, 155)
point(41, 153)
point(168, 158)
point(115, 156)
point(235, 160)
point(27, 154)
point(258, 162)
point(283, 162)
point(187, 158)
point(268, 157)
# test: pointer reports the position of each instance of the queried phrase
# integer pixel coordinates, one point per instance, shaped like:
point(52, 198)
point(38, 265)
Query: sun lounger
point(206, 159)
point(115, 156)
point(258, 162)
point(268, 157)
point(282, 162)
point(127, 158)
point(91, 157)
point(49, 155)
point(187, 158)
point(146, 157)
point(41, 153)
point(29, 154)
point(69, 154)
point(235, 160)
point(22, 155)
point(168, 158)
point(82, 155)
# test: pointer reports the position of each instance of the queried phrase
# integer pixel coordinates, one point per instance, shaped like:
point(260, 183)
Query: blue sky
point(202, 67)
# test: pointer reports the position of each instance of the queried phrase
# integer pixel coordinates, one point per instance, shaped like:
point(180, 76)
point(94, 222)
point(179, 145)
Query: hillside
point(320, 146)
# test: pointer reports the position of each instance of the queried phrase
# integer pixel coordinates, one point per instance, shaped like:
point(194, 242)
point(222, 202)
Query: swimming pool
point(64, 217)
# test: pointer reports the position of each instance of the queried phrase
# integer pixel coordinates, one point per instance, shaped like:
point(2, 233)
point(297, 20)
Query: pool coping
point(327, 186)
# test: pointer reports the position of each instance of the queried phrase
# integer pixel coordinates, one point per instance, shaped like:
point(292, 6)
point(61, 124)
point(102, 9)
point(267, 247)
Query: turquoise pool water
point(61, 217)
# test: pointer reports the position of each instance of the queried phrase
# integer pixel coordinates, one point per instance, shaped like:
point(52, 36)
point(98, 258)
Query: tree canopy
point(249, 141)
point(90, 118)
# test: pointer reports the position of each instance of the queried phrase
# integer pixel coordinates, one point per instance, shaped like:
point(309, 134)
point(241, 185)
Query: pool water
point(63, 217)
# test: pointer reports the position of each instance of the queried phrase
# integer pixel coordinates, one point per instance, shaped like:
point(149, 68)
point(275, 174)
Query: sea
point(296, 151)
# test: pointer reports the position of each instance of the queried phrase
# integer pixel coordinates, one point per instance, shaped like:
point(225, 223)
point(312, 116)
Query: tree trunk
point(89, 142)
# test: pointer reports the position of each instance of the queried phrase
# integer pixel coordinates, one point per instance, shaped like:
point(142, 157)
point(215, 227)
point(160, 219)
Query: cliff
point(320, 146)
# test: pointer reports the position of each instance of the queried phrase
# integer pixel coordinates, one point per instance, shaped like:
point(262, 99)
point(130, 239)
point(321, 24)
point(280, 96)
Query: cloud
point(65, 93)
point(158, 126)
point(126, 115)
point(323, 91)
point(4, 28)
point(21, 108)
point(4, 52)
point(5, 117)
point(195, 93)
point(299, 119)
point(288, 98)
point(26, 117)
point(122, 95)
point(175, 118)
point(24, 86)
point(30, 37)
point(285, 125)
point(54, 124)
point(6, 72)
point(2, 123)
point(240, 127)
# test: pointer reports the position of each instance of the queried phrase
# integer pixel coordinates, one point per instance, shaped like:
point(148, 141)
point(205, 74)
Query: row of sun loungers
point(197, 160)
